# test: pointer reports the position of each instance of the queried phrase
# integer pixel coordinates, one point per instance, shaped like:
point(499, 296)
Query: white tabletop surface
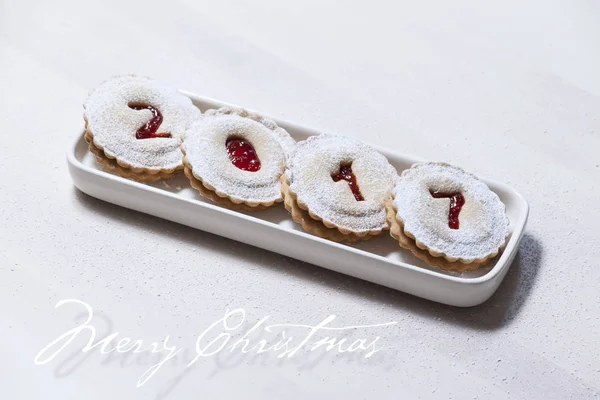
point(509, 90)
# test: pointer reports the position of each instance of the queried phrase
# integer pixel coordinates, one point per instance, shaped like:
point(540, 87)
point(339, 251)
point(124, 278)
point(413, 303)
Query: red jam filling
point(457, 200)
point(148, 130)
point(242, 154)
point(345, 173)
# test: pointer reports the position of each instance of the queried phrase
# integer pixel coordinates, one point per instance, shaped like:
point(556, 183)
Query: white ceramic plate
point(379, 260)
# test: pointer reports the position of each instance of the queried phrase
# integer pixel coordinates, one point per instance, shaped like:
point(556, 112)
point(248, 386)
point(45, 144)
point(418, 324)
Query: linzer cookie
point(235, 158)
point(337, 187)
point(447, 217)
point(134, 127)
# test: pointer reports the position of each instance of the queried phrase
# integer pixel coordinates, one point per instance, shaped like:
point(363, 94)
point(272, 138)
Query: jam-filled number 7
point(457, 200)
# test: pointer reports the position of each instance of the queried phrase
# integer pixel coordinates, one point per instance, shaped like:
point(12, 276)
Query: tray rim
point(506, 257)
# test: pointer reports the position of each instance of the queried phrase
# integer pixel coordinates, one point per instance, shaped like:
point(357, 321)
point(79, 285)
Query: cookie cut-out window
point(345, 173)
point(150, 128)
point(457, 201)
point(242, 154)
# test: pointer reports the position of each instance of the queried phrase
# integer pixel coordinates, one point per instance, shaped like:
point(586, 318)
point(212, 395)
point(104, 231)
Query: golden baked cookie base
point(221, 198)
point(111, 165)
point(397, 232)
point(435, 254)
point(314, 226)
point(215, 198)
point(328, 224)
point(120, 168)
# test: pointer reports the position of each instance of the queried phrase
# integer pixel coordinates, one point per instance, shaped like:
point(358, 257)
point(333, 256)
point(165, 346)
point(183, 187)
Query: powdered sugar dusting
point(114, 125)
point(280, 134)
point(206, 154)
point(483, 221)
point(309, 172)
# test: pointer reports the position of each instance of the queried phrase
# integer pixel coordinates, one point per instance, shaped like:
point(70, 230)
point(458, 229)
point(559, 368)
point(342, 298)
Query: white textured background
point(507, 89)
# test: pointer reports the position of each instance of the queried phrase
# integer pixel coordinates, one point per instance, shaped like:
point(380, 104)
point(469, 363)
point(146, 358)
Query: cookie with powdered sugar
point(134, 126)
point(236, 157)
point(336, 187)
point(447, 217)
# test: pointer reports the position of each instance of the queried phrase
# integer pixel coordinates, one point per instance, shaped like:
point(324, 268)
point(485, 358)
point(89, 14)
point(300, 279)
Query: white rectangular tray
point(379, 260)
